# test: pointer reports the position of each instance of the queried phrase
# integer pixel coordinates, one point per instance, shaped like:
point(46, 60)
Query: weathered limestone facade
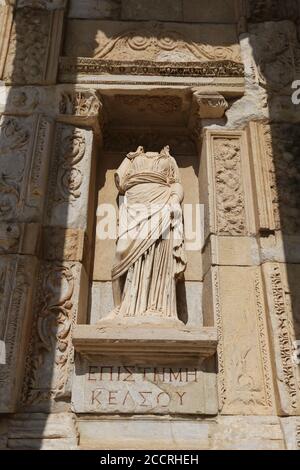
point(82, 83)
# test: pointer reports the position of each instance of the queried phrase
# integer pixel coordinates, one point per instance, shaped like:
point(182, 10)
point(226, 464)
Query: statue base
point(146, 340)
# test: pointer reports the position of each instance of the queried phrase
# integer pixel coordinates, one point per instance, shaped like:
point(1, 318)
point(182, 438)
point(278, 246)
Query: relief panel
point(70, 174)
point(24, 155)
point(58, 305)
point(245, 377)
point(17, 274)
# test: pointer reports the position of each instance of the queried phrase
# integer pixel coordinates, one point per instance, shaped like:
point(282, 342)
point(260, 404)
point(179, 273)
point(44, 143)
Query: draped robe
point(149, 251)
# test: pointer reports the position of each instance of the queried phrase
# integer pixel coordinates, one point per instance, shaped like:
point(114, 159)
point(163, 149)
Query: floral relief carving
point(50, 352)
point(230, 201)
point(27, 54)
point(67, 177)
point(13, 150)
point(284, 338)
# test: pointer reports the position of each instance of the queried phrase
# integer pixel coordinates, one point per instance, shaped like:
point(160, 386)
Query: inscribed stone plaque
point(106, 387)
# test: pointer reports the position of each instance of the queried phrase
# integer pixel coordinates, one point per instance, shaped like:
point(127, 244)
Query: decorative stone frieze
point(225, 169)
point(32, 56)
point(70, 176)
point(58, 305)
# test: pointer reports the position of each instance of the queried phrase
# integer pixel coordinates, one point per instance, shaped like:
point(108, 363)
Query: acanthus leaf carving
point(80, 103)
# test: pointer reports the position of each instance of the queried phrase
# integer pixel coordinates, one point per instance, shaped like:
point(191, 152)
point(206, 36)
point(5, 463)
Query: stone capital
point(209, 106)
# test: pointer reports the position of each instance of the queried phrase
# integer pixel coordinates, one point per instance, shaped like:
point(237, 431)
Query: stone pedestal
point(144, 369)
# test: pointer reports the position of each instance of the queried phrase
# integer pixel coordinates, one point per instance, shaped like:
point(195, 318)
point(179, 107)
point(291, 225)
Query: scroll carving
point(230, 198)
point(284, 335)
point(156, 44)
point(50, 353)
point(69, 153)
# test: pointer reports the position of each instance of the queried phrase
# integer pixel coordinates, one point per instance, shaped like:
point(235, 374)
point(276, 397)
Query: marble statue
point(150, 246)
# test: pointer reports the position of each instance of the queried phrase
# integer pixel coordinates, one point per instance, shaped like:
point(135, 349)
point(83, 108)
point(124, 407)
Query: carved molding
point(34, 45)
point(70, 68)
point(17, 275)
point(282, 338)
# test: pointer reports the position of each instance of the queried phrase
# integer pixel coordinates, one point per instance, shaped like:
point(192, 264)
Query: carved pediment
point(159, 45)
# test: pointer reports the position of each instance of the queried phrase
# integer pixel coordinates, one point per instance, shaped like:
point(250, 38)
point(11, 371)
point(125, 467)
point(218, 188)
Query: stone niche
point(148, 368)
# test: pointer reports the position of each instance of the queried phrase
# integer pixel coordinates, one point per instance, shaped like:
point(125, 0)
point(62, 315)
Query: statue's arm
point(177, 193)
point(121, 173)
